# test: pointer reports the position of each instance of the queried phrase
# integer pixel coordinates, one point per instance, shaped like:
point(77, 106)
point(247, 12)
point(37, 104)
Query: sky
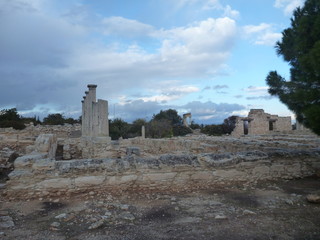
point(207, 57)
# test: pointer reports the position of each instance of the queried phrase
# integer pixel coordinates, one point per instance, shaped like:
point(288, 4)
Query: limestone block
point(205, 175)
point(277, 170)
point(127, 179)
point(43, 164)
point(229, 174)
point(30, 149)
point(57, 183)
point(261, 171)
point(88, 181)
point(293, 169)
point(27, 160)
point(19, 174)
point(133, 151)
point(46, 143)
point(155, 177)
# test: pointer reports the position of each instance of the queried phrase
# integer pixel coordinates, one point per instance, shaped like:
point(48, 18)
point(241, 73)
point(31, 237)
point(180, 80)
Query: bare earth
point(268, 210)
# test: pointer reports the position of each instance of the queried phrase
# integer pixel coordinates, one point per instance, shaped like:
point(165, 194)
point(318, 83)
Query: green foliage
point(118, 128)
point(300, 47)
point(11, 118)
point(171, 115)
point(229, 124)
point(58, 119)
point(159, 129)
point(213, 130)
point(135, 127)
point(54, 119)
point(180, 130)
point(194, 125)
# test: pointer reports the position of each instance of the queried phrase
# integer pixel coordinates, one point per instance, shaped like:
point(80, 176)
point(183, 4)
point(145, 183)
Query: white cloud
point(262, 34)
point(268, 39)
point(256, 93)
point(250, 29)
point(209, 112)
point(125, 27)
point(288, 6)
point(229, 12)
point(253, 90)
point(47, 59)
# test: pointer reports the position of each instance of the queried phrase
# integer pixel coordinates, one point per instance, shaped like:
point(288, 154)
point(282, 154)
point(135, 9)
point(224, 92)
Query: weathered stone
point(96, 225)
point(88, 181)
point(43, 164)
point(6, 222)
point(27, 160)
point(313, 198)
point(58, 183)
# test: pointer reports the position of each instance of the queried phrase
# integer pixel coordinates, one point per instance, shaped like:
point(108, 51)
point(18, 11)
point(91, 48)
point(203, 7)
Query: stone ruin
point(186, 116)
point(60, 162)
point(258, 122)
point(95, 123)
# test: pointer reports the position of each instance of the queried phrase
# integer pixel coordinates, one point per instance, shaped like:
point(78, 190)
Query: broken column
point(94, 115)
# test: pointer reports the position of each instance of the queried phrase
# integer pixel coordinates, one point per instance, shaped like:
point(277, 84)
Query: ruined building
point(258, 122)
point(94, 115)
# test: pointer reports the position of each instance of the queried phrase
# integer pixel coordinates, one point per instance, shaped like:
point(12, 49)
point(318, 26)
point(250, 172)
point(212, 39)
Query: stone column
point(91, 99)
point(103, 123)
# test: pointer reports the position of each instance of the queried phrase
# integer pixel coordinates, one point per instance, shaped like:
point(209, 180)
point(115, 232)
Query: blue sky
point(207, 57)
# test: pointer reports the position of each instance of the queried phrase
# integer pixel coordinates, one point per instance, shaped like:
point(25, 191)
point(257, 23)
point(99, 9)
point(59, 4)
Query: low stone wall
point(37, 176)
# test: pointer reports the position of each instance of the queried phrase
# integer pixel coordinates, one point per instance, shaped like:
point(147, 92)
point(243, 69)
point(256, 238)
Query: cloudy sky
point(207, 57)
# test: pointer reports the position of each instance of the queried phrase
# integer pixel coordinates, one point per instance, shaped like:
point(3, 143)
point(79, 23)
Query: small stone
point(62, 215)
point(289, 201)
point(96, 225)
point(127, 216)
point(248, 212)
point(56, 200)
point(6, 222)
point(91, 193)
point(55, 224)
point(107, 213)
point(313, 198)
point(220, 217)
point(124, 207)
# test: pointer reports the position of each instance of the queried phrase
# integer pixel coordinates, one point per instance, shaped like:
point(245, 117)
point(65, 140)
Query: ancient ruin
point(56, 164)
point(94, 115)
point(186, 116)
point(258, 122)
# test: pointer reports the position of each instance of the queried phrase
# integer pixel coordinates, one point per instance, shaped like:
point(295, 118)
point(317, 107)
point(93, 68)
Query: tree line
point(167, 123)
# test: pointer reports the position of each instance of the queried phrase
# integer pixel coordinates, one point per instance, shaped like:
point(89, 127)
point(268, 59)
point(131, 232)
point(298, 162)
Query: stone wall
point(260, 122)
point(42, 176)
point(164, 164)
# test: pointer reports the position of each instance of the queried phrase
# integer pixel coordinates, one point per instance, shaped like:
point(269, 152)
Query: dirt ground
point(268, 210)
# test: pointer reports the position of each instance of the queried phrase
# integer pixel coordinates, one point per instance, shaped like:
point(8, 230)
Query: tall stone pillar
point(95, 121)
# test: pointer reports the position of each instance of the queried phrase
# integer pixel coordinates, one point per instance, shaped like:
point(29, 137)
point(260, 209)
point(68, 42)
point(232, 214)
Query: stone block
point(277, 170)
point(57, 183)
point(46, 143)
point(155, 177)
point(128, 179)
point(27, 160)
point(43, 164)
point(206, 176)
point(293, 169)
point(261, 171)
point(229, 174)
point(89, 181)
point(133, 151)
